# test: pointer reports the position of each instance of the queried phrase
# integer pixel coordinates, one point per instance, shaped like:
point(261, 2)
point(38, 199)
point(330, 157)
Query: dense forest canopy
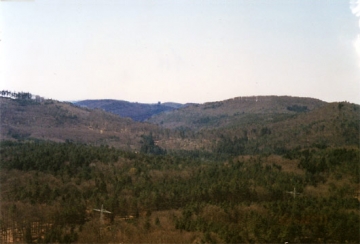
point(242, 199)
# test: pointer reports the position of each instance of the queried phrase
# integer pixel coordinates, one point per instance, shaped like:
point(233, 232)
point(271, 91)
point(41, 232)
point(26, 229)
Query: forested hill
point(332, 125)
point(60, 122)
point(135, 111)
point(232, 111)
point(237, 126)
point(263, 170)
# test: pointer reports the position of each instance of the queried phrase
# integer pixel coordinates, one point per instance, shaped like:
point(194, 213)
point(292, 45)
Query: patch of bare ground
point(287, 165)
point(254, 207)
point(158, 227)
point(334, 186)
point(320, 190)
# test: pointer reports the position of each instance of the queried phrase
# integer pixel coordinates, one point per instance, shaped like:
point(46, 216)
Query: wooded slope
point(58, 121)
point(233, 111)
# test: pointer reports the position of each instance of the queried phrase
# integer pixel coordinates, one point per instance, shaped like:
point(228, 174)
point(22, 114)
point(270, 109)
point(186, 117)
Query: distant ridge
point(263, 123)
point(135, 111)
point(223, 113)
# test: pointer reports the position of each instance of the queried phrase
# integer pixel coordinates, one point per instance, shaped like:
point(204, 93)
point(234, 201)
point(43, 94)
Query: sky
point(181, 51)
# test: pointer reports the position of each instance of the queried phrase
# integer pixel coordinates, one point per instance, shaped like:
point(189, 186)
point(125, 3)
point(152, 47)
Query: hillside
point(58, 121)
point(135, 111)
point(234, 111)
point(334, 124)
point(270, 124)
point(273, 170)
point(267, 125)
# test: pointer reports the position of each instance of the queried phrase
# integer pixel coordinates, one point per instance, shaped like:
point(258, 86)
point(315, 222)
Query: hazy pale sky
point(181, 51)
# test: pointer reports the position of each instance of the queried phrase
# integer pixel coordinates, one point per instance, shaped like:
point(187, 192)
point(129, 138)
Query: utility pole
point(102, 211)
point(294, 193)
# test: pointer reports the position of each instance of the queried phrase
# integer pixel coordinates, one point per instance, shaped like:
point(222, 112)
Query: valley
point(135, 111)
